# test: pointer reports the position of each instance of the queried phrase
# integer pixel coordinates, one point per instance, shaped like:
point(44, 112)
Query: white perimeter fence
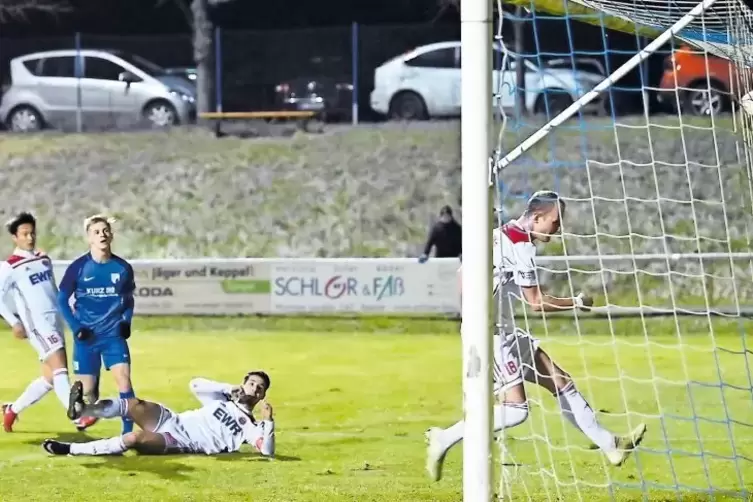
point(365, 286)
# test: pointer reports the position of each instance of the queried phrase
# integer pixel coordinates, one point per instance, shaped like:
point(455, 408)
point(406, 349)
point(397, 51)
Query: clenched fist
point(266, 410)
point(19, 331)
point(587, 302)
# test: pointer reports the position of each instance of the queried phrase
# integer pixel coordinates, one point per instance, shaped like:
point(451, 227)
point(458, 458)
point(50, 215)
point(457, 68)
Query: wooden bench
point(303, 118)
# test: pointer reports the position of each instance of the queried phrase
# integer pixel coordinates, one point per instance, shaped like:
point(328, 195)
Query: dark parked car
point(182, 71)
point(331, 97)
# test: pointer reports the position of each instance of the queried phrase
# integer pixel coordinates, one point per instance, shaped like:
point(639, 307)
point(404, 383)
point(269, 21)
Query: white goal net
point(658, 230)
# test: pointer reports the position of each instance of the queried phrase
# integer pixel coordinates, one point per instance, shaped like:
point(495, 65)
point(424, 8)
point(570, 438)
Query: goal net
point(656, 174)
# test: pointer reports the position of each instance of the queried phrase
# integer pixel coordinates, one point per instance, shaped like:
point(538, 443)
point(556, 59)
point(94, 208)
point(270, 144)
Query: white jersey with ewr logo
point(219, 426)
point(513, 258)
point(27, 278)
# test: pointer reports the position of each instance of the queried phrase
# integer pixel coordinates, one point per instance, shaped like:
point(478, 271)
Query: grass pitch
point(351, 406)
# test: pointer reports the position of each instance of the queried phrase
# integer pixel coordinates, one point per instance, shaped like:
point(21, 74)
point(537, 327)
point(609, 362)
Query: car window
point(58, 66)
point(34, 66)
point(440, 58)
point(102, 69)
point(142, 64)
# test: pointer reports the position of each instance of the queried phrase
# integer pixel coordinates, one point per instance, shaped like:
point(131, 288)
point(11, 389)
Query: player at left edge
point(27, 279)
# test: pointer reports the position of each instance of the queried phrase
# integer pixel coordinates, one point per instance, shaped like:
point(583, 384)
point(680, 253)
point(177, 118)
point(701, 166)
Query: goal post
point(659, 221)
point(476, 129)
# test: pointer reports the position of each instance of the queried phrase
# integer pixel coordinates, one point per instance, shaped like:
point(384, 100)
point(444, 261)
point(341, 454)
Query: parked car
point(330, 97)
point(703, 83)
point(47, 88)
point(425, 82)
point(186, 72)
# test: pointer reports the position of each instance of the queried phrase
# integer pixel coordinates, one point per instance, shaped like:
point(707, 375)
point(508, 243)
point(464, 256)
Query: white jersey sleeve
point(513, 256)
point(207, 391)
point(262, 437)
point(6, 285)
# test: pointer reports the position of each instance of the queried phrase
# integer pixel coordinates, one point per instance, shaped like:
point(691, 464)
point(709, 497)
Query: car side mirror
point(128, 78)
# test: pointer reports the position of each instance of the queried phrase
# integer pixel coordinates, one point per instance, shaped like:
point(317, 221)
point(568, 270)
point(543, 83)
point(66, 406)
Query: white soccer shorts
point(46, 342)
point(513, 359)
point(176, 437)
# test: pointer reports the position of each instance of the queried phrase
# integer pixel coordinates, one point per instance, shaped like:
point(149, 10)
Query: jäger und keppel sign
point(279, 286)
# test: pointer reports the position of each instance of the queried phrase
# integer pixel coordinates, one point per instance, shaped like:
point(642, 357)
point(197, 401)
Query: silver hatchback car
point(107, 88)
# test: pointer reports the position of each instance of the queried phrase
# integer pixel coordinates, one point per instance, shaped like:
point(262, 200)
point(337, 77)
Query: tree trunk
point(202, 54)
point(520, 68)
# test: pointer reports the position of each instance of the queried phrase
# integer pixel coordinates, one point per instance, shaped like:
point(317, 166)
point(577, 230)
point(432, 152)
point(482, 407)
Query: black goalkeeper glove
point(84, 333)
point(125, 330)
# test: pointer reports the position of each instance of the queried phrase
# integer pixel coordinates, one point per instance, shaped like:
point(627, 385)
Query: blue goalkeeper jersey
point(102, 292)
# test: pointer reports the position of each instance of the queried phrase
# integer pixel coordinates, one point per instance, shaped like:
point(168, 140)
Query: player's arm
point(264, 441)
point(542, 302)
point(207, 391)
point(526, 278)
point(7, 313)
point(128, 289)
point(126, 298)
point(65, 291)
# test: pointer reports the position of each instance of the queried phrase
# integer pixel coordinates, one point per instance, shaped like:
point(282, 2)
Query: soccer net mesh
point(658, 230)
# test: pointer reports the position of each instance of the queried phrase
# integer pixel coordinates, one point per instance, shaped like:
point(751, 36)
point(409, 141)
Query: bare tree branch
point(181, 6)
point(20, 9)
point(447, 4)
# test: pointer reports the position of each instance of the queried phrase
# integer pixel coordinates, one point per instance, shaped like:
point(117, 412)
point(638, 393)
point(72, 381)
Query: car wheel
point(553, 101)
point(704, 100)
point(160, 114)
point(408, 106)
point(25, 119)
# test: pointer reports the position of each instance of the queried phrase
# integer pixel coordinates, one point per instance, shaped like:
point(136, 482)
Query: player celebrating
point(517, 355)
point(221, 425)
point(28, 276)
point(102, 285)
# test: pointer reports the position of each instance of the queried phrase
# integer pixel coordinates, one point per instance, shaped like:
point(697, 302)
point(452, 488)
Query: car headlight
point(182, 95)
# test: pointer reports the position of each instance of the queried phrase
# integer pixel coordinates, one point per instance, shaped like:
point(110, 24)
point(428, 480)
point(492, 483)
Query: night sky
point(163, 16)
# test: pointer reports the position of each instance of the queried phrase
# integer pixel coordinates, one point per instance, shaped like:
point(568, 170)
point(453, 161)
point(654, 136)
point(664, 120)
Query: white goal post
point(476, 128)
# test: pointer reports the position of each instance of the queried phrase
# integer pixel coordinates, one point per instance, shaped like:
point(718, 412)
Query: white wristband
point(578, 300)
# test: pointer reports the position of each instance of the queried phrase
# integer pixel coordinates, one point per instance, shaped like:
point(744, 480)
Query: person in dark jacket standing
point(445, 236)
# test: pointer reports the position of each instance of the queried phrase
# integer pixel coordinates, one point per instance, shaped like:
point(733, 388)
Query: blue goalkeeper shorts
point(108, 350)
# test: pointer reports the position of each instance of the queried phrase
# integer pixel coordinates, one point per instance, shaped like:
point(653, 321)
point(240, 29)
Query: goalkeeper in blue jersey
point(102, 285)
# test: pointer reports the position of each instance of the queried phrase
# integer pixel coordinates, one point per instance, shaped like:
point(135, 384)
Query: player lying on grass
point(221, 425)
point(27, 275)
point(102, 286)
point(517, 356)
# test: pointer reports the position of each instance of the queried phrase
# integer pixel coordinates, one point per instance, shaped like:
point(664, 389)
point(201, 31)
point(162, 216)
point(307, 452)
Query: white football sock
point(107, 408)
point(35, 391)
point(112, 446)
point(578, 412)
point(62, 385)
point(505, 416)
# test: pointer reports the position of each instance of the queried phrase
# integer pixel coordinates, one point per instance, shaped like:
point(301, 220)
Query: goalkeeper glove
point(84, 333)
point(125, 330)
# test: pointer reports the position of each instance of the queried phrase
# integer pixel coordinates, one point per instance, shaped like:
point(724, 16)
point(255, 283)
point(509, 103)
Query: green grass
point(352, 399)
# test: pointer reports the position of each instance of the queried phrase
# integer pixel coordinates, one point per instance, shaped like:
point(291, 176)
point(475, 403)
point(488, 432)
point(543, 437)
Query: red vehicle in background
point(704, 84)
